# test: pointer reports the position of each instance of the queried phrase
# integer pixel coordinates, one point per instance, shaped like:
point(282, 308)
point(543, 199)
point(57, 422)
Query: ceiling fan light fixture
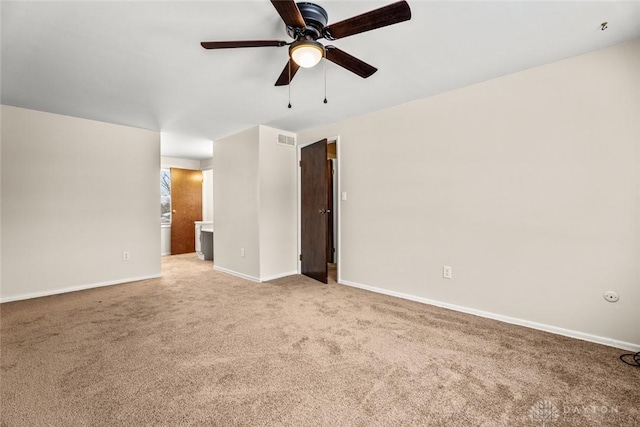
point(306, 53)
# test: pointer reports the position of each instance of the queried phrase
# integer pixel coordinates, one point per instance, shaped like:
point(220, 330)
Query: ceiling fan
point(307, 22)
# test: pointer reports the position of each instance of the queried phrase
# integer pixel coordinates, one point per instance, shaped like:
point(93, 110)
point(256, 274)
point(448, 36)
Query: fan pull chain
point(289, 66)
point(325, 81)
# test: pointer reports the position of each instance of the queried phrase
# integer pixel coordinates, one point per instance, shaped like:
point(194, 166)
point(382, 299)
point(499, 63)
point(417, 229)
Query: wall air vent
point(286, 140)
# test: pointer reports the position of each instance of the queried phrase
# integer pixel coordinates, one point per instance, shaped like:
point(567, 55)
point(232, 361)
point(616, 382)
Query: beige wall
point(207, 195)
point(167, 162)
point(278, 208)
point(254, 187)
point(236, 204)
point(527, 185)
point(76, 194)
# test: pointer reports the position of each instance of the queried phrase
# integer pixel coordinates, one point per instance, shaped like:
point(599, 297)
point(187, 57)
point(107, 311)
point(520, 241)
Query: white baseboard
point(515, 321)
point(278, 276)
point(252, 278)
point(76, 288)
point(235, 273)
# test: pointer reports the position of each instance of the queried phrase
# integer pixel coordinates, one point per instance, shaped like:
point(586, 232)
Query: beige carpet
point(199, 347)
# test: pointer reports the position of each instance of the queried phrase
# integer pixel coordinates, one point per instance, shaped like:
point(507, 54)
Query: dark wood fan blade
point(284, 79)
point(349, 62)
point(289, 12)
point(242, 43)
point(378, 18)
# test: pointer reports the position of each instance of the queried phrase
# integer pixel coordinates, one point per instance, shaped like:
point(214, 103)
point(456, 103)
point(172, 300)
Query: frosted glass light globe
point(307, 54)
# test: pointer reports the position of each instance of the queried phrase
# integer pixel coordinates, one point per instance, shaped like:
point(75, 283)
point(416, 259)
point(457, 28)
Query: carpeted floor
point(199, 347)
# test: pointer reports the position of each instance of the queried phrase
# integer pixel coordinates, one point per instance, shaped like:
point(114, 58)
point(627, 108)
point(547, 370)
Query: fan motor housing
point(314, 16)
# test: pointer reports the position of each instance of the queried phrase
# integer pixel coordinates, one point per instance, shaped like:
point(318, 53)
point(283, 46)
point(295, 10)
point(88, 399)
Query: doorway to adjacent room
point(319, 225)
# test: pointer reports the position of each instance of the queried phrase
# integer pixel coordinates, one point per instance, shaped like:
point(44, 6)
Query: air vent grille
point(286, 140)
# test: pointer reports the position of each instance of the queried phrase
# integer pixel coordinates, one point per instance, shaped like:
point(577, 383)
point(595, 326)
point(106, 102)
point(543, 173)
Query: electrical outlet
point(447, 272)
point(241, 252)
point(125, 256)
point(611, 296)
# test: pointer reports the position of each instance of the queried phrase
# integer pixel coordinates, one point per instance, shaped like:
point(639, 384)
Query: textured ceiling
point(141, 64)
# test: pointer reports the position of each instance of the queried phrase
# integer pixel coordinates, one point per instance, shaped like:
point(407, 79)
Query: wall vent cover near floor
point(286, 140)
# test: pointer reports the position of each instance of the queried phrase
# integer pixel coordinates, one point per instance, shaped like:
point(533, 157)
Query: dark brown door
point(186, 208)
point(315, 210)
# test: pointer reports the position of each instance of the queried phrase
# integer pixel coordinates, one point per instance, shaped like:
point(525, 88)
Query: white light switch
point(344, 195)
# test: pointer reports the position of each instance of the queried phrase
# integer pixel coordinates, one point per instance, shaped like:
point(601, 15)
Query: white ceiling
point(141, 64)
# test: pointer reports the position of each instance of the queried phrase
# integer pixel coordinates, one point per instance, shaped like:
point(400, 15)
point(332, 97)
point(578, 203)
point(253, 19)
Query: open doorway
point(319, 235)
point(332, 168)
point(198, 175)
point(186, 209)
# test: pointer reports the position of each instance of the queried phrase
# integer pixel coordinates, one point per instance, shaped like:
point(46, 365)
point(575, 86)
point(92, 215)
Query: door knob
point(173, 211)
point(324, 211)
